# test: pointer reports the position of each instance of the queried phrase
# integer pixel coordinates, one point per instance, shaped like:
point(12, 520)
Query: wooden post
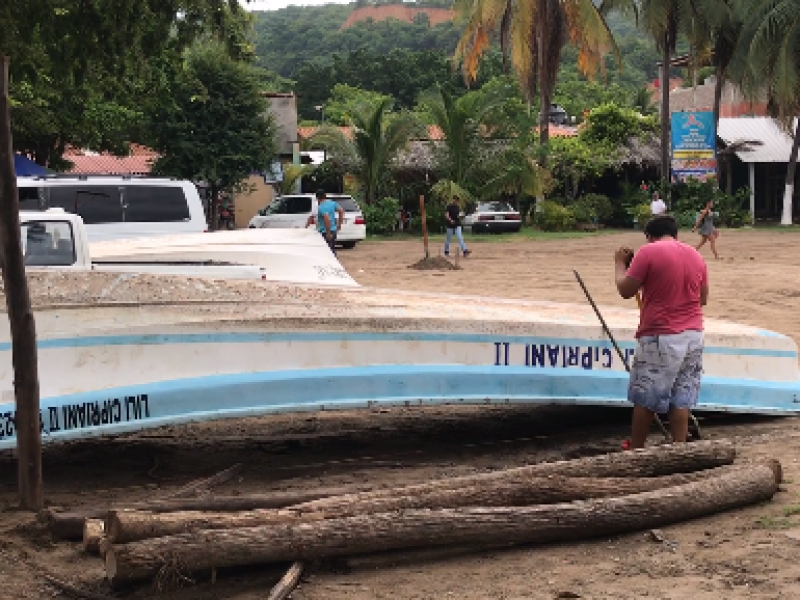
point(20, 316)
point(424, 219)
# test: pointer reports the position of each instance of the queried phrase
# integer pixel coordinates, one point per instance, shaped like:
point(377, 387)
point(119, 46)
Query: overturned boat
point(123, 352)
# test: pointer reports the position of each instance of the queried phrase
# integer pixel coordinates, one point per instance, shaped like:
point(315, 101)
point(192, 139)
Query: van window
point(95, 204)
point(29, 199)
point(48, 243)
point(144, 203)
point(297, 205)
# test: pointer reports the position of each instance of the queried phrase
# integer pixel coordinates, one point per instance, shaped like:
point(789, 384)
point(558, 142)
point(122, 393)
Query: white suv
point(293, 210)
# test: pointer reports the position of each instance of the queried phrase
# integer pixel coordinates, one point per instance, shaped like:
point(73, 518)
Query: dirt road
point(746, 554)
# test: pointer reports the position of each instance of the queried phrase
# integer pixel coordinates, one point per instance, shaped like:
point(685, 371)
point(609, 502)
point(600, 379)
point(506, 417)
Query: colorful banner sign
point(694, 145)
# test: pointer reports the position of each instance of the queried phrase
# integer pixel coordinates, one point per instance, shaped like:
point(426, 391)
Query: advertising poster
point(694, 147)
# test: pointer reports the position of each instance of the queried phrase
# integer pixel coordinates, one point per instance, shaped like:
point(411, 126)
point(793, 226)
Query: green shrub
point(686, 218)
point(434, 213)
point(552, 216)
point(640, 214)
point(592, 208)
point(381, 217)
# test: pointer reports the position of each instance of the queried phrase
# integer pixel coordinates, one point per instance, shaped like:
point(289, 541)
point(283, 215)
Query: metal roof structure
point(762, 139)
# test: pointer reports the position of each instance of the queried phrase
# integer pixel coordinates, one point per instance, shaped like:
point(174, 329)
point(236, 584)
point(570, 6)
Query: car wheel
point(475, 229)
point(348, 245)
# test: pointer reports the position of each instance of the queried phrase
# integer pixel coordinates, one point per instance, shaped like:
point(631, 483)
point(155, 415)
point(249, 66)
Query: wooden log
point(69, 525)
point(93, 533)
point(645, 462)
point(284, 588)
point(205, 549)
point(130, 526)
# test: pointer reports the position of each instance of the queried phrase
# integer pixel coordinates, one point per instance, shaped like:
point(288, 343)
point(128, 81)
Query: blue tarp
point(26, 167)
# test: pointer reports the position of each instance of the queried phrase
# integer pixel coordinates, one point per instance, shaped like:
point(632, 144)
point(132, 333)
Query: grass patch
point(777, 523)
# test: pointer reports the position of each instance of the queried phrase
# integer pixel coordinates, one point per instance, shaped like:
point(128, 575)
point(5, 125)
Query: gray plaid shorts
point(666, 371)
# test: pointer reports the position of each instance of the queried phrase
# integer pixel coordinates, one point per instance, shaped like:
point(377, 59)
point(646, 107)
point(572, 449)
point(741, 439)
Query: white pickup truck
point(55, 239)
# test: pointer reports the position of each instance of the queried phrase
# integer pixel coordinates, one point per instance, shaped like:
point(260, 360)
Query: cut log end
point(93, 534)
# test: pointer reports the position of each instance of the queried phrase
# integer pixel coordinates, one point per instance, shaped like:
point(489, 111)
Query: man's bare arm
point(327, 224)
point(704, 295)
point(626, 286)
point(339, 217)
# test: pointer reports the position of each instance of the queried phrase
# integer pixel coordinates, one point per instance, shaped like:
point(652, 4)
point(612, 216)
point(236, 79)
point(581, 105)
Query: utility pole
point(20, 317)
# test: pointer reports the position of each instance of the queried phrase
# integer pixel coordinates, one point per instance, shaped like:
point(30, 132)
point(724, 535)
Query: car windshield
point(346, 202)
point(494, 207)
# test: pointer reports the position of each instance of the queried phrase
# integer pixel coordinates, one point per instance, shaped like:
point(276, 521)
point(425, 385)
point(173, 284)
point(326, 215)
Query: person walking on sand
point(329, 219)
point(705, 223)
point(657, 206)
point(668, 364)
point(453, 216)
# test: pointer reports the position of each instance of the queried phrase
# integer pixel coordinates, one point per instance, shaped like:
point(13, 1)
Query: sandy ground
point(749, 553)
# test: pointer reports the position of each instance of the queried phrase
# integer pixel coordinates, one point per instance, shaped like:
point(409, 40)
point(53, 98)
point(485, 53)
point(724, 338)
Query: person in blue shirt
point(329, 219)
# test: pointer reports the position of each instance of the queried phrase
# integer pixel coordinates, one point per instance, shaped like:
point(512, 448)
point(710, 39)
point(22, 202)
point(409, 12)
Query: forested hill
point(309, 46)
point(288, 37)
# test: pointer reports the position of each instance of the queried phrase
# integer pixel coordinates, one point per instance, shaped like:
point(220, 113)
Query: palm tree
point(463, 123)
point(771, 39)
point(375, 137)
point(664, 20)
point(532, 35)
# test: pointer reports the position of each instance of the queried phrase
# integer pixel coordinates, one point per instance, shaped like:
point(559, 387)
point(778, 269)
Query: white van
point(118, 207)
point(292, 211)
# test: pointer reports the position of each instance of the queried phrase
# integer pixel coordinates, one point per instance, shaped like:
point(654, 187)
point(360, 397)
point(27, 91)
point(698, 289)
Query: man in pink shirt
point(668, 366)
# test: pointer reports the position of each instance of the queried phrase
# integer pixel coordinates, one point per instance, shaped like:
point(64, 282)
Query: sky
point(276, 4)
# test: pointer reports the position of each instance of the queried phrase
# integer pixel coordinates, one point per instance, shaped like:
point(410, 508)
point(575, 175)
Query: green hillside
point(307, 46)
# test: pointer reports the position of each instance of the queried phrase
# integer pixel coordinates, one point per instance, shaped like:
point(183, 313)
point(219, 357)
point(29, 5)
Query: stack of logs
point(546, 502)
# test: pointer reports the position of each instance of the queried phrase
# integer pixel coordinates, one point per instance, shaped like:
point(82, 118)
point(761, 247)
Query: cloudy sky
point(276, 4)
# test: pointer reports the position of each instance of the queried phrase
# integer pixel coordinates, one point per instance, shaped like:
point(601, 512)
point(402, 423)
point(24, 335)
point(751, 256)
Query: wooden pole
point(424, 220)
point(370, 533)
point(20, 316)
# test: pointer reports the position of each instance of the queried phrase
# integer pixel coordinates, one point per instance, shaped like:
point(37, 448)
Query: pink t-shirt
point(672, 274)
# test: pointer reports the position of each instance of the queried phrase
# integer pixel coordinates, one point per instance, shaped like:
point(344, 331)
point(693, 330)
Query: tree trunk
point(665, 116)
point(93, 534)
point(203, 550)
point(788, 192)
point(70, 525)
point(213, 215)
point(647, 462)
point(719, 85)
point(130, 526)
point(20, 317)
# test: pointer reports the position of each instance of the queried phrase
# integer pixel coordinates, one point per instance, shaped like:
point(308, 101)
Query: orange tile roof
point(138, 162)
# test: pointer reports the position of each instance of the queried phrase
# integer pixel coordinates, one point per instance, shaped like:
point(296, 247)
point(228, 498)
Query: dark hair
point(660, 226)
point(320, 193)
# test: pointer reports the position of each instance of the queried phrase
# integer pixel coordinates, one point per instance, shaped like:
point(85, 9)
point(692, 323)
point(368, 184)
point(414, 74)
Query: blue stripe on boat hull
point(225, 396)
point(262, 337)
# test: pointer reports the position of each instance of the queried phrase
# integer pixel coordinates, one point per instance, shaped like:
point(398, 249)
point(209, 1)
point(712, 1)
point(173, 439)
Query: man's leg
point(460, 239)
point(447, 235)
point(642, 420)
point(686, 390)
point(332, 242)
point(679, 424)
point(650, 389)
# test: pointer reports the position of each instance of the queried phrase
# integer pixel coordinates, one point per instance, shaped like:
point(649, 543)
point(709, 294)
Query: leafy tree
point(517, 173)
point(79, 70)
point(462, 122)
point(771, 40)
point(376, 138)
point(217, 127)
point(346, 100)
point(532, 35)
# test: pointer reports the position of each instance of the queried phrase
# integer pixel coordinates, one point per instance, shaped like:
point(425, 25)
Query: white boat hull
point(122, 353)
